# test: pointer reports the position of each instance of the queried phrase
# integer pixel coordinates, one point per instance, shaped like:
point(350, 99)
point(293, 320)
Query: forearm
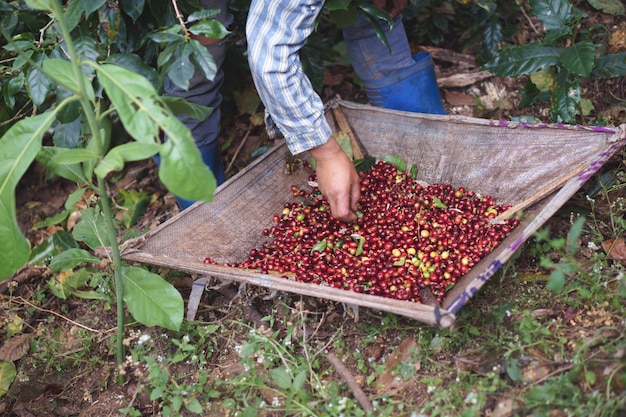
point(276, 30)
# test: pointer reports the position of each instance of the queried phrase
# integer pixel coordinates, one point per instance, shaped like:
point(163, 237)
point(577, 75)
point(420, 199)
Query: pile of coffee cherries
point(408, 236)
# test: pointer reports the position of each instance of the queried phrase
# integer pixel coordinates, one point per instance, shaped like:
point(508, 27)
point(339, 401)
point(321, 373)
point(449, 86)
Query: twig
point(22, 300)
point(180, 16)
point(243, 141)
point(17, 115)
point(530, 22)
point(341, 369)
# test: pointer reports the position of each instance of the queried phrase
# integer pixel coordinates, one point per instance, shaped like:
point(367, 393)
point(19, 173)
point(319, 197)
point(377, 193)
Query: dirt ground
point(37, 392)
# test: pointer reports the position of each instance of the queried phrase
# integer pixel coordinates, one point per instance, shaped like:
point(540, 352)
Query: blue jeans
point(370, 58)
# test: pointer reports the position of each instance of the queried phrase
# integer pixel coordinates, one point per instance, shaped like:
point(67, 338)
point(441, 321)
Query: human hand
point(337, 179)
point(393, 7)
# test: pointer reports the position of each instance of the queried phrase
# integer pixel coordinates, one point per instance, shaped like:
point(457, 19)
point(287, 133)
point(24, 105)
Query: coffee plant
point(567, 53)
point(64, 90)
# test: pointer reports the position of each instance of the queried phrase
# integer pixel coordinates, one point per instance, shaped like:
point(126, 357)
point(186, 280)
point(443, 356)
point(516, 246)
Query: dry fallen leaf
point(14, 348)
point(459, 99)
point(615, 249)
point(503, 408)
point(389, 382)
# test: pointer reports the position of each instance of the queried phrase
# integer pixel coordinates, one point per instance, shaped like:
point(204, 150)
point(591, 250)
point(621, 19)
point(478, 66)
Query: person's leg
point(207, 93)
point(393, 79)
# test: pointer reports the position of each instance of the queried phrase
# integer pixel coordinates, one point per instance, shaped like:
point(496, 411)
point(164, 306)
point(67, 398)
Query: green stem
point(117, 269)
point(89, 111)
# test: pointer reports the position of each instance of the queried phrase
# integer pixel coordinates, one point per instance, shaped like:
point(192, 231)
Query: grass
point(544, 337)
point(518, 347)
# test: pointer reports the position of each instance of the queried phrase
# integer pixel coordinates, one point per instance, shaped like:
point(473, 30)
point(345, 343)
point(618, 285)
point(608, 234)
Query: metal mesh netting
point(510, 161)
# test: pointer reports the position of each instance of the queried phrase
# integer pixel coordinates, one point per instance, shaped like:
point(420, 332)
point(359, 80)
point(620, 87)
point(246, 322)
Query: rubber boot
point(413, 88)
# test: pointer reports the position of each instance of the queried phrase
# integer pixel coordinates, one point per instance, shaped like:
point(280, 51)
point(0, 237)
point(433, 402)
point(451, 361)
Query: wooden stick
point(344, 126)
point(341, 369)
point(543, 192)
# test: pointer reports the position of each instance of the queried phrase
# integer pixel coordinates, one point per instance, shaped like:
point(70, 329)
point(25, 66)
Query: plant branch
point(345, 374)
point(75, 323)
point(181, 20)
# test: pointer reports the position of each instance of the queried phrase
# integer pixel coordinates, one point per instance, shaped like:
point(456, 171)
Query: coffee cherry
point(407, 237)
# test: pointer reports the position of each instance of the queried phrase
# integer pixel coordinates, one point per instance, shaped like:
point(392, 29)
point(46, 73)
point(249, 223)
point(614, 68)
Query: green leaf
point(359, 248)
point(586, 106)
point(210, 28)
point(395, 160)
point(62, 72)
point(7, 376)
point(182, 68)
point(613, 7)
point(343, 18)
point(438, 203)
point(299, 380)
point(579, 58)
point(180, 106)
point(365, 164)
point(68, 108)
point(574, 235)
point(72, 172)
point(133, 8)
point(73, 14)
point(15, 84)
point(64, 240)
point(522, 60)
point(135, 204)
point(18, 148)
point(192, 404)
point(91, 229)
point(565, 99)
point(88, 295)
point(202, 14)
point(91, 6)
point(39, 4)
point(556, 282)
point(369, 10)
point(135, 100)
point(63, 284)
point(553, 14)
point(151, 300)
point(612, 65)
point(513, 370)
point(144, 114)
point(86, 48)
point(343, 140)
point(39, 84)
point(72, 156)
point(135, 64)
point(167, 36)
point(371, 13)
point(319, 246)
point(281, 378)
point(71, 258)
point(128, 152)
point(203, 59)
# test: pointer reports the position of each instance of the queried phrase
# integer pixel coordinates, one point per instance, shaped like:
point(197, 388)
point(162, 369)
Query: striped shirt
point(276, 30)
